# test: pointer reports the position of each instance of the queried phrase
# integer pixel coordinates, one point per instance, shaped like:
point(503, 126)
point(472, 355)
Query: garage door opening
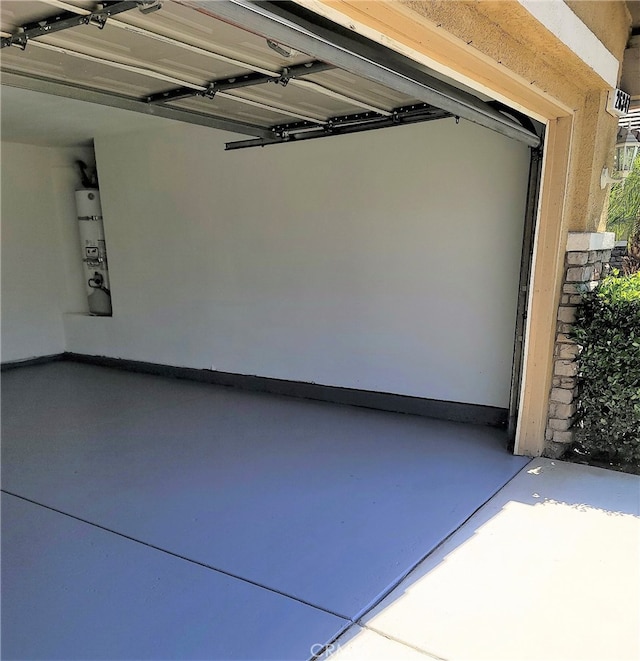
point(384, 267)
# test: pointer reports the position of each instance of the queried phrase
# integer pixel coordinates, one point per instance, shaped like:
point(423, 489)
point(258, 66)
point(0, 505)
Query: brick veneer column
point(586, 261)
point(618, 253)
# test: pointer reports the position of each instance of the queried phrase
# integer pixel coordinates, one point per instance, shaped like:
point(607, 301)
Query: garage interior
point(368, 252)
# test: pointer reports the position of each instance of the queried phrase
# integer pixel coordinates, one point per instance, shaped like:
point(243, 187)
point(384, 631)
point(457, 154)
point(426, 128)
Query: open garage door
point(272, 73)
point(255, 68)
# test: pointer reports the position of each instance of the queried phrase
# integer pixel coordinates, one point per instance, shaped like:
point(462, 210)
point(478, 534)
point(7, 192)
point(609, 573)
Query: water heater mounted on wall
point(94, 251)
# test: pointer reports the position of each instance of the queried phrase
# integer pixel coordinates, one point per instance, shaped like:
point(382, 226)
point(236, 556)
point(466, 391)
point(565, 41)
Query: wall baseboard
point(430, 408)
point(37, 360)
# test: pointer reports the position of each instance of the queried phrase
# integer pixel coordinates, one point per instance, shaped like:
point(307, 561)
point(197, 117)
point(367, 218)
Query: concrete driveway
point(548, 569)
point(152, 518)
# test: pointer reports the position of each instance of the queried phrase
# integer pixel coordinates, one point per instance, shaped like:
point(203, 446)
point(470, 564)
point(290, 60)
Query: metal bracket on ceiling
point(284, 78)
point(98, 20)
point(52, 24)
point(237, 82)
point(344, 124)
point(285, 51)
point(150, 6)
point(210, 92)
point(19, 40)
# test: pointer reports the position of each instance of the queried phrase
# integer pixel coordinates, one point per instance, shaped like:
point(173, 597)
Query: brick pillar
point(586, 261)
point(618, 253)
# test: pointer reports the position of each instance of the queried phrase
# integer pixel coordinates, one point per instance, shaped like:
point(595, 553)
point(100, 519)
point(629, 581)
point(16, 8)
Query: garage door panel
point(346, 83)
point(176, 43)
point(194, 27)
point(300, 99)
point(39, 61)
point(140, 50)
point(227, 107)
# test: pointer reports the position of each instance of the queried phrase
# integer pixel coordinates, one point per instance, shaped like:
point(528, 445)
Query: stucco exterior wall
point(594, 137)
point(607, 20)
point(508, 34)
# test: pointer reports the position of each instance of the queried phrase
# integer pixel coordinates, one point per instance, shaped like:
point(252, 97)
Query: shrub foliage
point(623, 216)
point(608, 331)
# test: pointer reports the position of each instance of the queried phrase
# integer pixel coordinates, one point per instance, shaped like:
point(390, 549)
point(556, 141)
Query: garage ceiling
point(258, 69)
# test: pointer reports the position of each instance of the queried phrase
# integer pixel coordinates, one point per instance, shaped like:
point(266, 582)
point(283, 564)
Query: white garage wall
point(32, 274)
point(40, 262)
point(383, 261)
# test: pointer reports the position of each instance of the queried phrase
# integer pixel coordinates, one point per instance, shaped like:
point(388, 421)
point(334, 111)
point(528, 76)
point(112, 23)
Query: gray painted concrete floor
point(146, 517)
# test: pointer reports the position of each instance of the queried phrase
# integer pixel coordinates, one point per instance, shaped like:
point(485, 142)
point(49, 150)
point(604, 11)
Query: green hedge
point(608, 332)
